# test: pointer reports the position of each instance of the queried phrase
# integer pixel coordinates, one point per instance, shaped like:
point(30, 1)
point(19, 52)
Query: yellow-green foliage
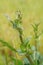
point(32, 12)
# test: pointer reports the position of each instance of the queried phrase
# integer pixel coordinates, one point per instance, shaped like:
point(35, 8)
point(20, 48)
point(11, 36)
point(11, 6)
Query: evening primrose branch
point(18, 22)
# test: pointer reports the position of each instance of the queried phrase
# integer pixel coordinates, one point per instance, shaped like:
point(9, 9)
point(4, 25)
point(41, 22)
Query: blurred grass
point(2, 62)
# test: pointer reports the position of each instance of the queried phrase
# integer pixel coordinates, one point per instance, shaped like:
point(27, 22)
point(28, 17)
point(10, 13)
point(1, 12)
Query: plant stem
point(27, 55)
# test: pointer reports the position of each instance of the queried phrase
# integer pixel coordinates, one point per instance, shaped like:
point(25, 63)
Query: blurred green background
point(32, 11)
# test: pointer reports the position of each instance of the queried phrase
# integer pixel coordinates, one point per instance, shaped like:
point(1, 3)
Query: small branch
point(29, 58)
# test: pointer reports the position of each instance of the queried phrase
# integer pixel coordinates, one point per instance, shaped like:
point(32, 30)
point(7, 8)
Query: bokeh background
point(32, 11)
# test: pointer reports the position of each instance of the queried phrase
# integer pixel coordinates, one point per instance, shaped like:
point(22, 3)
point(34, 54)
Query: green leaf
point(7, 44)
point(16, 61)
point(23, 49)
point(26, 61)
point(20, 52)
point(26, 41)
point(19, 62)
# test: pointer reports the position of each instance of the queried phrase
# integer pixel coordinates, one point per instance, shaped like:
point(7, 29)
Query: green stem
point(27, 55)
